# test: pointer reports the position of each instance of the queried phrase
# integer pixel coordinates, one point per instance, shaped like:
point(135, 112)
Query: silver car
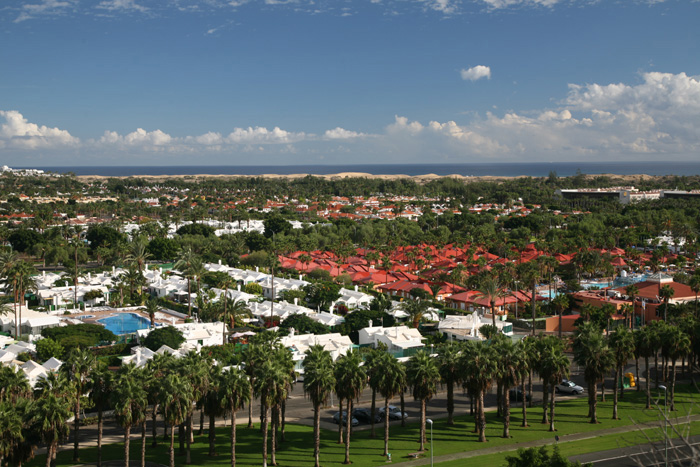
point(568, 387)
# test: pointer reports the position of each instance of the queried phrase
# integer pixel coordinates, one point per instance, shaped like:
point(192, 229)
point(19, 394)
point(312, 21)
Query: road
point(647, 455)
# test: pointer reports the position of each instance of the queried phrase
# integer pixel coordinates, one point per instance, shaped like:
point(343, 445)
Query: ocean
point(534, 169)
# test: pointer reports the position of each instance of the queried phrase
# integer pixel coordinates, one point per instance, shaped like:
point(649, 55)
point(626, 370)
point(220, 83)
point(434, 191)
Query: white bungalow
point(397, 338)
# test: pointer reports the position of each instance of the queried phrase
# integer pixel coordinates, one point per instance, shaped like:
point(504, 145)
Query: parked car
point(336, 419)
point(568, 387)
point(364, 415)
point(516, 395)
point(394, 413)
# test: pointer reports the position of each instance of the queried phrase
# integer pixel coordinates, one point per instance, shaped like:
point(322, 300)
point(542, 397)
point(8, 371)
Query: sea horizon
point(532, 169)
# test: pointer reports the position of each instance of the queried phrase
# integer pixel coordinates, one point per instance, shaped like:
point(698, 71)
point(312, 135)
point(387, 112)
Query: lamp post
point(431, 441)
point(661, 386)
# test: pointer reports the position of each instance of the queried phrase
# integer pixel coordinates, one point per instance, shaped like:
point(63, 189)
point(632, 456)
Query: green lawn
point(297, 450)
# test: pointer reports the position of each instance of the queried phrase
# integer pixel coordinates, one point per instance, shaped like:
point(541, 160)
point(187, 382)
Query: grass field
point(571, 418)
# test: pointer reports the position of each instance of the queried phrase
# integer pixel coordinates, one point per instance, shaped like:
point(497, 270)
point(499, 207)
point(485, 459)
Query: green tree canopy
point(169, 336)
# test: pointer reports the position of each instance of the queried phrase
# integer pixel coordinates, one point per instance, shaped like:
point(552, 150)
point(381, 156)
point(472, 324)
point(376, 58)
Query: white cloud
point(18, 133)
point(45, 7)
point(120, 5)
point(341, 133)
point(500, 4)
point(476, 72)
point(260, 135)
point(443, 6)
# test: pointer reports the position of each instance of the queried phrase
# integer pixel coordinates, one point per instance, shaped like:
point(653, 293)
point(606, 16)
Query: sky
point(286, 82)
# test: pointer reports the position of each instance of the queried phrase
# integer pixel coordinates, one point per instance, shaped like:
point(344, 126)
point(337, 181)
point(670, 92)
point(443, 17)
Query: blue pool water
point(125, 323)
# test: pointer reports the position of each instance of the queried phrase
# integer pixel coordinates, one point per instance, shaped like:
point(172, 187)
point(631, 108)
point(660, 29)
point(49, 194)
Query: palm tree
point(530, 274)
point(694, 284)
point(592, 352)
point(423, 376)
point(491, 290)
point(195, 368)
point(130, 402)
point(678, 346)
point(508, 374)
point(373, 360)
point(269, 381)
point(226, 282)
point(666, 293)
point(152, 308)
point(415, 309)
point(175, 401)
point(524, 370)
point(555, 365)
point(138, 256)
point(621, 343)
point(234, 393)
point(186, 263)
point(51, 412)
point(448, 365)
point(157, 367)
point(233, 312)
point(78, 367)
point(11, 430)
point(560, 303)
point(13, 384)
point(391, 382)
point(102, 384)
point(632, 291)
point(319, 381)
point(479, 368)
point(351, 379)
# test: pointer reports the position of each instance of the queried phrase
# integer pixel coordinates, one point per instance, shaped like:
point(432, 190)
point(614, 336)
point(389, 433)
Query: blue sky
point(209, 82)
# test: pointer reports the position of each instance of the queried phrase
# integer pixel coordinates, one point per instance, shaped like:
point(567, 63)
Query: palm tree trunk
point(594, 402)
point(656, 368)
point(283, 413)
point(264, 436)
point(450, 403)
point(188, 455)
point(127, 436)
point(373, 411)
point(551, 409)
point(481, 417)
point(340, 420)
point(143, 443)
point(545, 394)
point(317, 432)
point(646, 363)
point(348, 420)
point(233, 436)
point(386, 426)
point(506, 413)
point(76, 432)
point(154, 427)
point(636, 367)
point(250, 413)
point(672, 407)
point(201, 421)
point(534, 307)
point(522, 389)
point(615, 383)
point(99, 437)
point(403, 408)
point(49, 454)
point(212, 435)
point(189, 298)
point(274, 413)
point(172, 445)
point(529, 390)
point(422, 425)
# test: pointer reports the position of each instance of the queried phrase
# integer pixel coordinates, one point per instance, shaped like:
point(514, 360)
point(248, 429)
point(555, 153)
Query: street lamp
point(431, 441)
point(661, 386)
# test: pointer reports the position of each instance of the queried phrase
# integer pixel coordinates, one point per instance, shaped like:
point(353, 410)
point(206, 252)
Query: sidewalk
point(536, 443)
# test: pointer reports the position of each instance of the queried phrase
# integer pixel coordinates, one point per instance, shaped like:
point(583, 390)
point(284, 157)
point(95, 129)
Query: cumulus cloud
point(476, 72)
point(500, 4)
point(341, 133)
point(443, 6)
point(19, 133)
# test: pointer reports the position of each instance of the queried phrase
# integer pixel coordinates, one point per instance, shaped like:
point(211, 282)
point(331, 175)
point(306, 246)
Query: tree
point(152, 308)
point(632, 291)
point(270, 379)
point(560, 303)
point(554, 365)
point(11, 429)
point(539, 457)
point(78, 367)
point(47, 348)
point(175, 400)
point(51, 412)
point(351, 379)
point(479, 367)
point(232, 313)
point(391, 382)
point(162, 248)
point(621, 343)
point(322, 294)
point(592, 353)
point(666, 293)
point(678, 345)
point(508, 374)
point(448, 365)
point(415, 310)
point(130, 403)
point(187, 263)
point(422, 375)
point(234, 392)
point(491, 290)
point(319, 381)
point(169, 335)
point(100, 393)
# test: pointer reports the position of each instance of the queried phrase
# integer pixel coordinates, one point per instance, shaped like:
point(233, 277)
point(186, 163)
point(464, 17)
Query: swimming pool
point(125, 323)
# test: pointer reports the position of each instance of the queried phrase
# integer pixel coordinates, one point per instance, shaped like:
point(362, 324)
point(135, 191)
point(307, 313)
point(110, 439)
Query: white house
point(397, 338)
